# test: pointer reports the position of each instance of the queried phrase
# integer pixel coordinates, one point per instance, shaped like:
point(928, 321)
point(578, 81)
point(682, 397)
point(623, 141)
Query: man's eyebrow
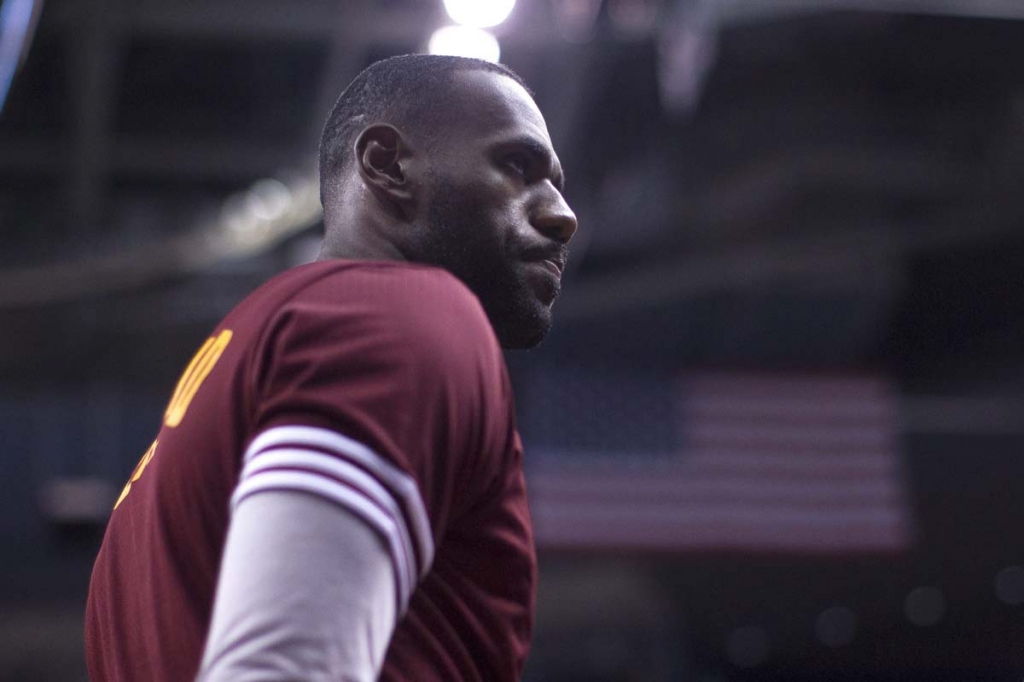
point(536, 148)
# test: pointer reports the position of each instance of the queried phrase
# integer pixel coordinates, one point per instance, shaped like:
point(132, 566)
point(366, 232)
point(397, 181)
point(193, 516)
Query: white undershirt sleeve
point(306, 592)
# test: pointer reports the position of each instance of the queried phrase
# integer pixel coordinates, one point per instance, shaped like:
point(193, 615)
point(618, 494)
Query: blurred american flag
point(717, 461)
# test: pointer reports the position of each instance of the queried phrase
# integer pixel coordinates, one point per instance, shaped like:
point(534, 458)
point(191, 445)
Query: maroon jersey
point(376, 385)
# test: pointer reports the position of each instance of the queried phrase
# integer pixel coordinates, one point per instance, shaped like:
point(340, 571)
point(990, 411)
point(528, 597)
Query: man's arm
point(306, 592)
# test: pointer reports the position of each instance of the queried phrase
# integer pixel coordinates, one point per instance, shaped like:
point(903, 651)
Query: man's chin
point(520, 332)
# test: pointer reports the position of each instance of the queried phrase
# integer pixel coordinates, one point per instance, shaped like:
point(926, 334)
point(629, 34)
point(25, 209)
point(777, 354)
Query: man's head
point(448, 161)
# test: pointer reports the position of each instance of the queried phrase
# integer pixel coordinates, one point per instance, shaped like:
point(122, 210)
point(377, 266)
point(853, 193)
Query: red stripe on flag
point(782, 463)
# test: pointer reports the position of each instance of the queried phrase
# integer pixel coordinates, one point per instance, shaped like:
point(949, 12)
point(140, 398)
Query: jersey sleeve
point(384, 392)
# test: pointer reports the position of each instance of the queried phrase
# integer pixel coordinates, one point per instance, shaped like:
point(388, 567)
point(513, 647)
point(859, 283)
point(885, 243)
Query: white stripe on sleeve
point(346, 472)
point(345, 476)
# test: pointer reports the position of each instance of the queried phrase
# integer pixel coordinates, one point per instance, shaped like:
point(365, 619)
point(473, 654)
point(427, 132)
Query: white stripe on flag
point(768, 463)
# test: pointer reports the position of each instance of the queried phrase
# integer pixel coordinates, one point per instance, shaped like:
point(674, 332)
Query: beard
point(463, 238)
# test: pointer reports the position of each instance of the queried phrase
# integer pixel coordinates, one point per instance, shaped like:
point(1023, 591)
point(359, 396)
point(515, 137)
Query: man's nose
point(553, 218)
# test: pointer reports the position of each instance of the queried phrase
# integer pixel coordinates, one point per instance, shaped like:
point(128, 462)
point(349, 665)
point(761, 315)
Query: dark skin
point(481, 198)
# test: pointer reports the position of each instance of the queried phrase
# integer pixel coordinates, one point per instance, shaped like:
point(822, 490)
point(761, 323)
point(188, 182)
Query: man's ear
point(383, 157)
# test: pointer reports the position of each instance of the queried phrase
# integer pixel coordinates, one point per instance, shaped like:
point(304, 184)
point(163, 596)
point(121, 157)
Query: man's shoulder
point(417, 298)
point(386, 288)
point(422, 309)
point(343, 280)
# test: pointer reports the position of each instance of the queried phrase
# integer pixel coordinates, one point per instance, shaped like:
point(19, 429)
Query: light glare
point(463, 41)
point(479, 13)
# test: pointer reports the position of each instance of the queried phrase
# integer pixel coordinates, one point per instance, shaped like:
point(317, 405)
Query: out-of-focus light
point(747, 647)
point(633, 16)
point(269, 199)
point(836, 626)
point(687, 49)
point(925, 606)
point(479, 13)
point(235, 216)
point(464, 41)
point(77, 500)
point(576, 19)
point(1009, 585)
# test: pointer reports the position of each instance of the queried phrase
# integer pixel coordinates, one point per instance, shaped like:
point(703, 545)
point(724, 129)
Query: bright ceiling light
point(464, 41)
point(479, 13)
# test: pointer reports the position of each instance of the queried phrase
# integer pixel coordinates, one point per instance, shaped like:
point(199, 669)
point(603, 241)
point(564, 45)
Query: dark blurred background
point(776, 433)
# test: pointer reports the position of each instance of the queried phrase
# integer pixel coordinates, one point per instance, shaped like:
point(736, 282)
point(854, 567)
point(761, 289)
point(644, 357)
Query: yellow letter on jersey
point(139, 468)
point(193, 377)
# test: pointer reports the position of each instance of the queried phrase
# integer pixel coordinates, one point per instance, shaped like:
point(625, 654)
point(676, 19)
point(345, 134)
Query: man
point(336, 492)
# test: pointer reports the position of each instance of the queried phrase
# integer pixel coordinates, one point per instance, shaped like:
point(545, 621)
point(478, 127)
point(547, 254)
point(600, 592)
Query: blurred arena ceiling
point(828, 183)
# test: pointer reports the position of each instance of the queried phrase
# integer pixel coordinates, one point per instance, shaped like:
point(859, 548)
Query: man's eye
point(518, 163)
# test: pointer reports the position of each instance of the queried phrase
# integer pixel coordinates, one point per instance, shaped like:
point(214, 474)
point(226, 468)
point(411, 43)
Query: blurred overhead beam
point(738, 268)
point(262, 19)
point(858, 256)
point(193, 158)
point(321, 20)
point(410, 25)
point(794, 174)
point(760, 195)
point(731, 11)
point(874, 169)
point(214, 159)
point(249, 223)
point(962, 415)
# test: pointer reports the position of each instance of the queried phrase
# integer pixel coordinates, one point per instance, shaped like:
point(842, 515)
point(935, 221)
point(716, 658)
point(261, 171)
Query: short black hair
point(411, 91)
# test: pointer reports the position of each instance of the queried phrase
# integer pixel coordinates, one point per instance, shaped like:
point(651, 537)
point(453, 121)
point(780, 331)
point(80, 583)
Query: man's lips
point(553, 265)
point(551, 260)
